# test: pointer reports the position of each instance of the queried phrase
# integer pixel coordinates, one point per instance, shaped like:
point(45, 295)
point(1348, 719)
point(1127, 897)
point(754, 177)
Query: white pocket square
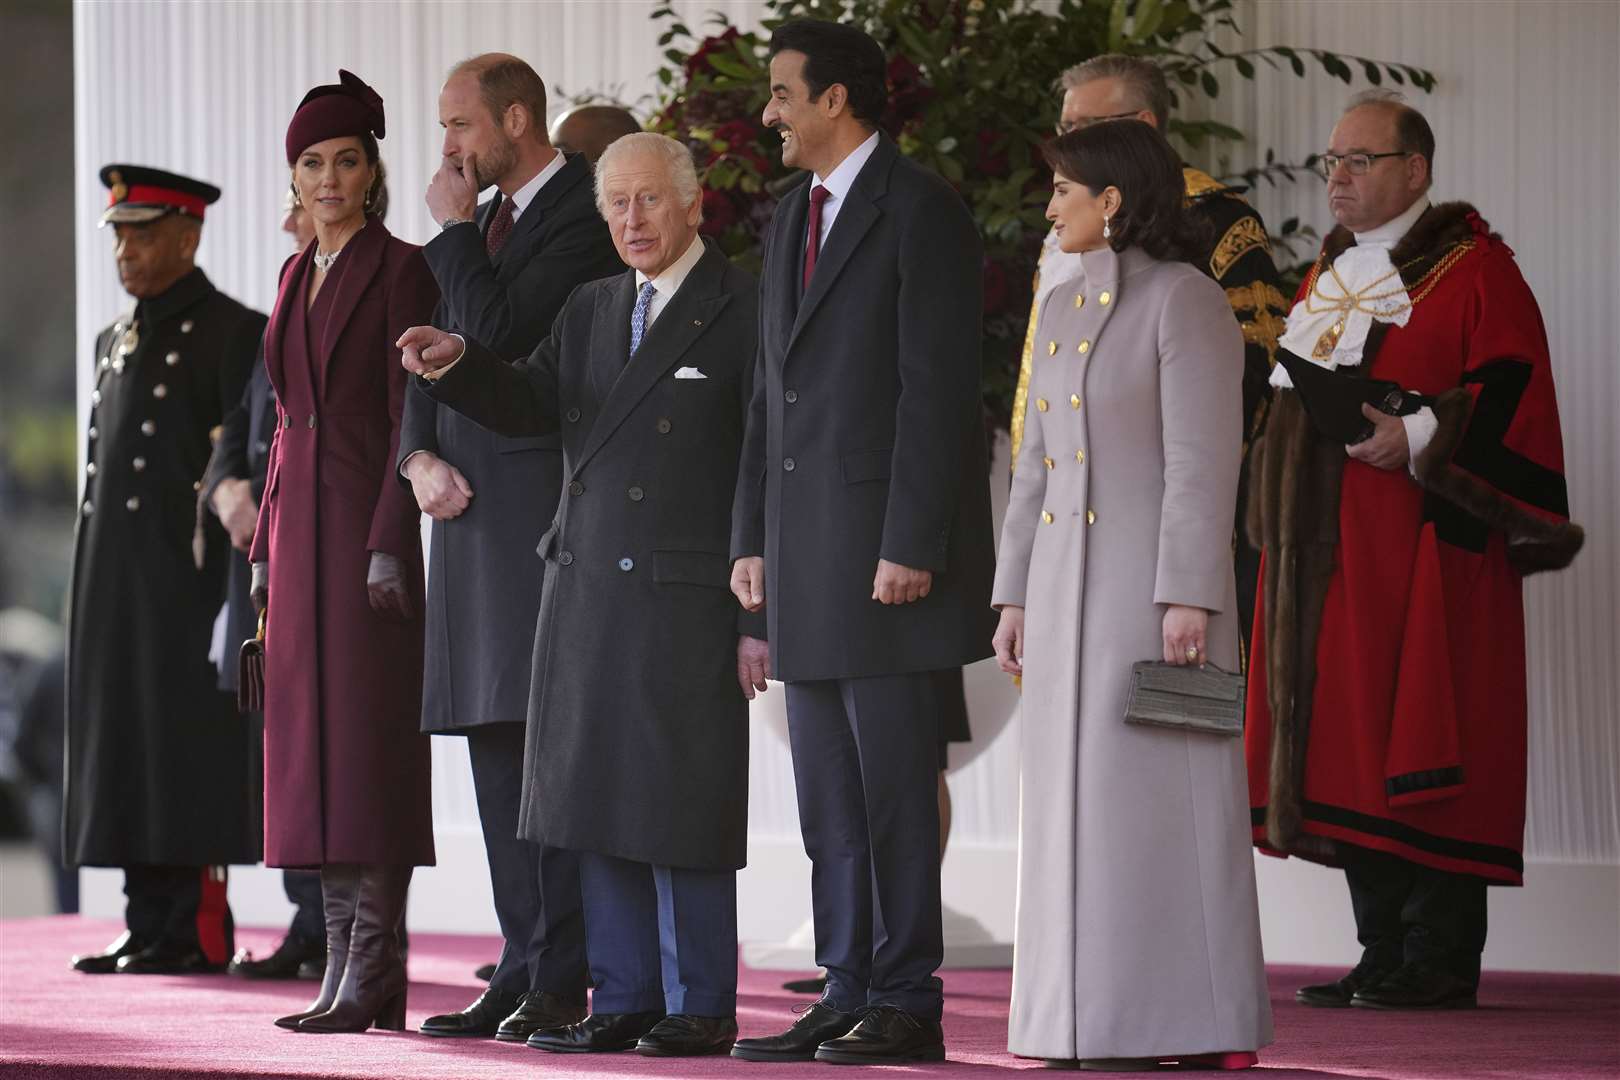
point(689, 373)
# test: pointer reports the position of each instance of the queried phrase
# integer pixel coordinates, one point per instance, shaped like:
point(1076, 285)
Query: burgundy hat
point(346, 107)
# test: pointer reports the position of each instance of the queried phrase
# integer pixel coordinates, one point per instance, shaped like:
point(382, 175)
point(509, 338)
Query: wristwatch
point(452, 221)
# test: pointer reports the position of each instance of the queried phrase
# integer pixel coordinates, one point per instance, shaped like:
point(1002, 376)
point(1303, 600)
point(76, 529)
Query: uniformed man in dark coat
point(162, 774)
point(637, 755)
point(503, 271)
point(1237, 255)
point(233, 486)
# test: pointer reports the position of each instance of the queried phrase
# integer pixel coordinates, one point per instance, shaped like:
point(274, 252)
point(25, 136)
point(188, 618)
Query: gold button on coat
point(1049, 463)
point(1105, 297)
point(1074, 401)
point(1046, 516)
point(1080, 456)
point(1051, 348)
point(1079, 300)
point(1084, 347)
point(1040, 403)
point(1091, 517)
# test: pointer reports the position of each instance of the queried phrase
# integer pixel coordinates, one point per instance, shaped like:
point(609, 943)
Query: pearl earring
point(1107, 232)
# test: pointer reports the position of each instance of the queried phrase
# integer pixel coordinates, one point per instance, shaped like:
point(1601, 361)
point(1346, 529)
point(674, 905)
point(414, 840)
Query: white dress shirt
point(523, 196)
point(667, 282)
point(838, 183)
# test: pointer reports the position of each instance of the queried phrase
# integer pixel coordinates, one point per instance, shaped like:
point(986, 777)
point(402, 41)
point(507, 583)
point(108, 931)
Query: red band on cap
point(162, 196)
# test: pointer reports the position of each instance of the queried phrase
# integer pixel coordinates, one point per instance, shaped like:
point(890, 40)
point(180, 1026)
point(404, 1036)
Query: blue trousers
point(536, 889)
point(659, 938)
point(866, 768)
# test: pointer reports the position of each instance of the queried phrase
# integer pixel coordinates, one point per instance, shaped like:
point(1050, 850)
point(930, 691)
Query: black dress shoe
point(484, 972)
point(816, 986)
point(536, 1011)
point(1337, 995)
point(598, 1033)
point(1417, 986)
point(481, 1019)
point(682, 1035)
point(886, 1035)
point(819, 1023)
point(168, 958)
point(285, 963)
point(106, 961)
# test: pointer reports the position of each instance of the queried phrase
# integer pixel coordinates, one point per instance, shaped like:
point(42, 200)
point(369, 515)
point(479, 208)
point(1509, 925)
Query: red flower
point(719, 213)
point(992, 160)
point(737, 134)
point(699, 60)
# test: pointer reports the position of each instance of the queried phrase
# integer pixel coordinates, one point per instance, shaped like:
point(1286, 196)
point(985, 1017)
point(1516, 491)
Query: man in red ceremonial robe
point(1386, 696)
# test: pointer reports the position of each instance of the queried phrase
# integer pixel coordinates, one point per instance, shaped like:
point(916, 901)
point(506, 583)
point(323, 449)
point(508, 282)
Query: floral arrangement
point(971, 97)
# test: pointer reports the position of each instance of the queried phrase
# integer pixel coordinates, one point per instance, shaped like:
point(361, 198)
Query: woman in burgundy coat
point(337, 560)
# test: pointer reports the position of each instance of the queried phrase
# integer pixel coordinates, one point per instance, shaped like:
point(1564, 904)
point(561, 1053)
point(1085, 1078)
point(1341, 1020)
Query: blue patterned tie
point(638, 317)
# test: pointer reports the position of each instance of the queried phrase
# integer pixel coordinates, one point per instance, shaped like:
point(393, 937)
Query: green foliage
point(971, 96)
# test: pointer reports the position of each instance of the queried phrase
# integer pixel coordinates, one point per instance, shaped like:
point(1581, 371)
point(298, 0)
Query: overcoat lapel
point(293, 279)
point(856, 217)
point(688, 315)
point(610, 337)
point(787, 266)
point(366, 251)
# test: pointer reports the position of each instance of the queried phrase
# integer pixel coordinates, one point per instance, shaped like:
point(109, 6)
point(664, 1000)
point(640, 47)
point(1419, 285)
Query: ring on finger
point(1192, 652)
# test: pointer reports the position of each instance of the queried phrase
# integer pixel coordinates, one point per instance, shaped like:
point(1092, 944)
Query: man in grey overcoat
point(637, 754)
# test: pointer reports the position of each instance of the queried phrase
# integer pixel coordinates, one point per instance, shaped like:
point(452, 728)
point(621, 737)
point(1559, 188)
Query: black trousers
point(303, 889)
point(1409, 913)
point(182, 905)
point(866, 769)
point(537, 897)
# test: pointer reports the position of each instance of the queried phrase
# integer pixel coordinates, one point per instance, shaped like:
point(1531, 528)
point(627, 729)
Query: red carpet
point(55, 1023)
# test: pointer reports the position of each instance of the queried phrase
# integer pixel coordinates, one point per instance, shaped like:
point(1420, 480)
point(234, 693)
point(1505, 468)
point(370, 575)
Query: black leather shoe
point(285, 963)
point(681, 1035)
point(816, 986)
point(538, 1010)
point(598, 1033)
point(480, 1020)
point(886, 1035)
point(106, 961)
point(484, 972)
point(819, 1023)
point(1417, 986)
point(1337, 995)
point(168, 958)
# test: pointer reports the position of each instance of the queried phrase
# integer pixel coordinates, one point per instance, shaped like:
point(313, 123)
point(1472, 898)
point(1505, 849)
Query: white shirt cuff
point(1420, 428)
point(436, 375)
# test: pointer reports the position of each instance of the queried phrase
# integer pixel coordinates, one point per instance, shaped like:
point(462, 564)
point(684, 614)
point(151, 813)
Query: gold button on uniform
point(1040, 403)
point(1046, 516)
point(1049, 463)
point(1079, 300)
point(1080, 456)
point(1084, 347)
point(1051, 348)
point(1091, 517)
point(1074, 401)
point(1105, 297)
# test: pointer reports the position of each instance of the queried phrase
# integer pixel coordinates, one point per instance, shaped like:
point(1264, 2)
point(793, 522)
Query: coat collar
point(526, 229)
point(861, 210)
point(191, 288)
point(363, 256)
point(684, 319)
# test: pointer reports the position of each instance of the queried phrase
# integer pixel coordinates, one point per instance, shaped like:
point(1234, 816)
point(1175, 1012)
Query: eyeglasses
point(1355, 164)
point(1066, 126)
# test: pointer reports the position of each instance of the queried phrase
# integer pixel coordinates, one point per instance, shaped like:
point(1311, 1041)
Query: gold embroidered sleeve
point(1261, 311)
point(1244, 236)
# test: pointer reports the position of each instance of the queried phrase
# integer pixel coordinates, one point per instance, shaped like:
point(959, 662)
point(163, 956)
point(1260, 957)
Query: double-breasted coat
point(346, 765)
point(865, 437)
point(160, 768)
point(1137, 932)
point(637, 741)
point(483, 582)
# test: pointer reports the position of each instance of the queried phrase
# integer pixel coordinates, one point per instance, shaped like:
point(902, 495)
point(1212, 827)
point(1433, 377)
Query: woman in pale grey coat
point(1137, 933)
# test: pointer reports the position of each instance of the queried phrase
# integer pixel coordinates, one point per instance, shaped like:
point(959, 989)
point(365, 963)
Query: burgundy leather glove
point(385, 584)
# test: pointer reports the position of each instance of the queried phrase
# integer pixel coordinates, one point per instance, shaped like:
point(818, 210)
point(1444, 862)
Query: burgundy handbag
point(250, 672)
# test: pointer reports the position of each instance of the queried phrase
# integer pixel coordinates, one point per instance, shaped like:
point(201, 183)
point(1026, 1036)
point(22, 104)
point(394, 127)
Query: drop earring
point(1107, 231)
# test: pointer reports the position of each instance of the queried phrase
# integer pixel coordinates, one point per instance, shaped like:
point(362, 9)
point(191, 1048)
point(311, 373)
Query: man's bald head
point(591, 129)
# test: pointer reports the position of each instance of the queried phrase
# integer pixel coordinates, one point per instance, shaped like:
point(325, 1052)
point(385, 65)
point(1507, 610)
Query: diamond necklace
point(324, 261)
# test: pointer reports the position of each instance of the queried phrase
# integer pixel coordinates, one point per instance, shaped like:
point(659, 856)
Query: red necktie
point(500, 227)
point(812, 239)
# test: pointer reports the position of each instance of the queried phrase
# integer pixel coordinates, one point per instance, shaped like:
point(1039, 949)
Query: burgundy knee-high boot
point(340, 889)
point(372, 990)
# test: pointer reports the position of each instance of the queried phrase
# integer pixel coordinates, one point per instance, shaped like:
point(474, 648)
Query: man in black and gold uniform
point(162, 774)
point(1115, 87)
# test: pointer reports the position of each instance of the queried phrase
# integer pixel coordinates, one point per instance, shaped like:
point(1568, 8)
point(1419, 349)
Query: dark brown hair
point(1133, 157)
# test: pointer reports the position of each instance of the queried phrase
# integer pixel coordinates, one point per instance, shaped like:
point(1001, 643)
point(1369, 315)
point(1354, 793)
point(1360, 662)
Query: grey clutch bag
point(1185, 696)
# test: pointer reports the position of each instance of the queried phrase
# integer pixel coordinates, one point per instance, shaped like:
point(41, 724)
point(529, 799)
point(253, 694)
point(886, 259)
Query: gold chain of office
point(1361, 301)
